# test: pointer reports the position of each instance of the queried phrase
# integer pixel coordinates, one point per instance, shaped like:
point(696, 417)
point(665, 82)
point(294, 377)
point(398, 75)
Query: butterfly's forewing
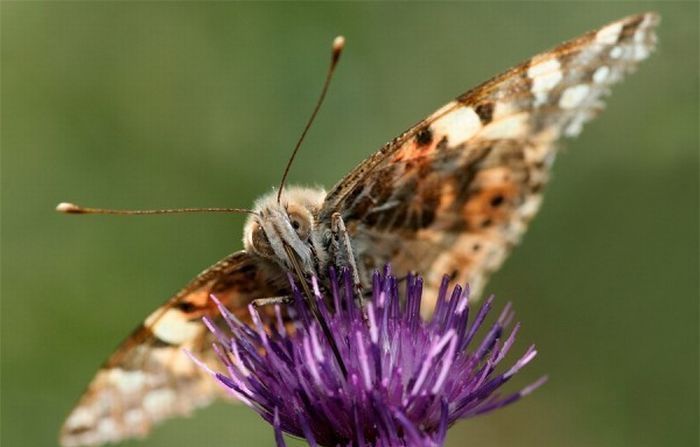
point(149, 378)
point(454, 193)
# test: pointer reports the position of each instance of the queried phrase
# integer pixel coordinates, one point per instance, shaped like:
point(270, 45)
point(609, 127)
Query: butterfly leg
point(260, 302)
point(345, 255)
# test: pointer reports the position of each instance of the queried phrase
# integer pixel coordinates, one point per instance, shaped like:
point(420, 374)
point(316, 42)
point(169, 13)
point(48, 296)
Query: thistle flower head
point(400, 380)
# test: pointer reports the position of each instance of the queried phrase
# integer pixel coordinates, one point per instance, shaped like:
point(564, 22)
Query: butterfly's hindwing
point(150, 378)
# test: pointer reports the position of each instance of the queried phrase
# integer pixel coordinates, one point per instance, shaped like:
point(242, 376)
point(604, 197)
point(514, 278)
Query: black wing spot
point(186, 306)
point(497, 201)
point(485, 112)
point(424, 136)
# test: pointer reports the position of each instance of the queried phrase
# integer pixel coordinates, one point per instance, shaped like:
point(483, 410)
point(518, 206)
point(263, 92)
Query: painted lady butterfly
point(452, 194)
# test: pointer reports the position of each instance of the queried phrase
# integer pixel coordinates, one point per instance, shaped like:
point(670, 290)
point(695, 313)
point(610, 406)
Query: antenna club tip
point(68, 208)
point(338, 45)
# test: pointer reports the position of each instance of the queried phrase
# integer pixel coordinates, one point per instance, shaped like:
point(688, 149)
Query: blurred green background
point(189, 104)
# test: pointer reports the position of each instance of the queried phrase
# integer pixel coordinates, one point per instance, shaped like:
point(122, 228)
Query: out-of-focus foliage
point(125, 104)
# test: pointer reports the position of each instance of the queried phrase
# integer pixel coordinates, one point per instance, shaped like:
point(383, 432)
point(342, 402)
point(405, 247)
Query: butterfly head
point(279, 230)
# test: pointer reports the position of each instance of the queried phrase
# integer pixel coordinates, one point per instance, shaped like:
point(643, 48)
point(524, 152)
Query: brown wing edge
point(148, 378)
point(472, 97)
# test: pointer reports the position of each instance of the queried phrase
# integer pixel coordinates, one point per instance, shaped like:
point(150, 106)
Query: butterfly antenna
point(71, 208)
point(336, 49)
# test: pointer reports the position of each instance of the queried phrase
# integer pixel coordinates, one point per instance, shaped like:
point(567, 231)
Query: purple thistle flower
point(402, 381)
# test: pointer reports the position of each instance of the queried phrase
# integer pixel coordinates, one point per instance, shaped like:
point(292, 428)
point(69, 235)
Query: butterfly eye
point(300, 224)
point(261, 243)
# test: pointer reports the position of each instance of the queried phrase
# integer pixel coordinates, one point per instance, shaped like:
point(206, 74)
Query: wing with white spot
point(455, 192)
point(149, 378)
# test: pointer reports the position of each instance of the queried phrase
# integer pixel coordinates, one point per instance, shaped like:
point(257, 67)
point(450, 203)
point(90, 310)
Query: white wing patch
point(172, 326)
point(458, 126)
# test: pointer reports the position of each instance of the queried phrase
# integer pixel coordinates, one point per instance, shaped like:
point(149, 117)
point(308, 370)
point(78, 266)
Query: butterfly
point(452, 194)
